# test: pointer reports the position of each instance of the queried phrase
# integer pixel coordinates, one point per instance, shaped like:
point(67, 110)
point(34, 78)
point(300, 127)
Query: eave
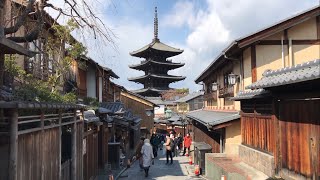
point(145, 64)
point(156, 47)
point(169, 78)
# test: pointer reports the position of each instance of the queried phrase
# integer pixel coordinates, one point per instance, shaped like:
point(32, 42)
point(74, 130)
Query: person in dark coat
point(155, 141)
point(138, 152)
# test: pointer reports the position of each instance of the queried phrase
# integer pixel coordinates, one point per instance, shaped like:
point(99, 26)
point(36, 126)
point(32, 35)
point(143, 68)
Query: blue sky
point(201, 27)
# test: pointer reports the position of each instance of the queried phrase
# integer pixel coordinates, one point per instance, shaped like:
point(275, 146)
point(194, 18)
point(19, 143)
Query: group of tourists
point(172, 145)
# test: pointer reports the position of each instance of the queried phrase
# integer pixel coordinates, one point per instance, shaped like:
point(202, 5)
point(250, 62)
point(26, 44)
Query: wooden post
point(74, 148)
point(2, 57)
point(81, 149)
point(13, 156)
point(60, 135)
point(42, 141)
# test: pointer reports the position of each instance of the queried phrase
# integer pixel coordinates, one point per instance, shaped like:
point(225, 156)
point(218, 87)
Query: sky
point(202, 28)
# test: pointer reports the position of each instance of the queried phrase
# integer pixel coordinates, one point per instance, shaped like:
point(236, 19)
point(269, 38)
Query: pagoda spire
point(156, 25)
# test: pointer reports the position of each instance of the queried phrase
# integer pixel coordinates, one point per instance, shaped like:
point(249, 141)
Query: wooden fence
point(33, 134)
point(258, 132)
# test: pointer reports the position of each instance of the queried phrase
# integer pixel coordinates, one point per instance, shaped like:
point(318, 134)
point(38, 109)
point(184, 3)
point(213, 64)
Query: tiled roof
point(289, 75)
point(159, 101)
point(160, 76)
point(120, 112)
point(155, 45)
point(212, 118)
point(139, 96)
point(89, 116)
point(190, 97)
point(251, 94)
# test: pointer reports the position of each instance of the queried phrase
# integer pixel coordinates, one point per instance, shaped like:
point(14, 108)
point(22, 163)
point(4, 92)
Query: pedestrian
point(177, 144)
point(147, 156)
point(187, 143)
point(168, 144)
point(155, 141)
point(138, 152)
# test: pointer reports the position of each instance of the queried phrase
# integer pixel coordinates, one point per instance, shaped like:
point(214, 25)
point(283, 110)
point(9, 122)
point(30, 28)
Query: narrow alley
point(179, 170)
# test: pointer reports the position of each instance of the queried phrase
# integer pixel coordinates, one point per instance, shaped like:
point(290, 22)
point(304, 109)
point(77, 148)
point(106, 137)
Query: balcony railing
point(226, 92)
point(210, 95)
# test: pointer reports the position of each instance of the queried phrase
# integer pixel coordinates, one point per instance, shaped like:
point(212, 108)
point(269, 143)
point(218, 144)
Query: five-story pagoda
point(156, 66)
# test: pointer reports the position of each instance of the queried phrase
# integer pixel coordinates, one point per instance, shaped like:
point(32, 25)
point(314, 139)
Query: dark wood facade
point(90, 154)
point(138, 106)
point(288, 128)
point(202, 134)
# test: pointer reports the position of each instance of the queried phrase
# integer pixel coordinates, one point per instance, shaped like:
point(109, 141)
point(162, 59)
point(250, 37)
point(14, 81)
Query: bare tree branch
point(34, 34)
point(21, 19)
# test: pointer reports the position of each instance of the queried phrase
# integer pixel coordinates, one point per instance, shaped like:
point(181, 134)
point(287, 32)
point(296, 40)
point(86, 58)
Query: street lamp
point(214, 86)
point(232, 78)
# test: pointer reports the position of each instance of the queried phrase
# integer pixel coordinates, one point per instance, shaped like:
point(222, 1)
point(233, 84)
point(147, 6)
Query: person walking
point(147, 156)
point(187, 143)
point(155, 141)
point(168, 144)
point(177, 141)
point(138, 152)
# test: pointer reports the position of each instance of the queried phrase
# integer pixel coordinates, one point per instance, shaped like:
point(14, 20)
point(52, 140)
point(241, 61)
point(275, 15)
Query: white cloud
point(182, 13)
point(210, 27)
point(218, 23)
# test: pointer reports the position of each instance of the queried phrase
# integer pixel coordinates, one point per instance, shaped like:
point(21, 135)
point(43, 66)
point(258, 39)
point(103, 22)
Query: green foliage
point(38, 91)
point(33, 89)
point(93, 102)
point(183, 91)
point(63, 41)
point(11, 67)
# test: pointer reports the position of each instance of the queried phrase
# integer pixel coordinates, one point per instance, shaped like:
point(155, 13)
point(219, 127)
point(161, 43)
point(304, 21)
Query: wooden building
point(92, 80)
point(190, 102)
point(155, 66)
point(141, 107)
point(281, 117)
point(273, 122)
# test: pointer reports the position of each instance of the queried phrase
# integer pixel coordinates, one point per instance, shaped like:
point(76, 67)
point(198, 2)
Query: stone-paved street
point(179, 170)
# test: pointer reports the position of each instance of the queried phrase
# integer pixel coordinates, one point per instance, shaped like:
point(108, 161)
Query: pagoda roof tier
point(154, 91)
point(145, 64)
point(145, 90)
point(169, 78)
point(156, 47)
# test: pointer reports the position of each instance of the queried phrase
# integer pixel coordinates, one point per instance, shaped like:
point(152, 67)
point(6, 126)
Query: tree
point(174, 94)
point(79, 12)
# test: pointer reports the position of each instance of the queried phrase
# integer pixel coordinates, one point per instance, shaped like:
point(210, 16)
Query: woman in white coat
point(147, 156)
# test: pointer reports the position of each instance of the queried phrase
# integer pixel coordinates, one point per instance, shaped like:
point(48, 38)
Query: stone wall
point(257, 159)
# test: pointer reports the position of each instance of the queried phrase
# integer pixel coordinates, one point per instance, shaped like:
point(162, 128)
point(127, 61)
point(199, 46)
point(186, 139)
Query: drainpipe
point(282, 51)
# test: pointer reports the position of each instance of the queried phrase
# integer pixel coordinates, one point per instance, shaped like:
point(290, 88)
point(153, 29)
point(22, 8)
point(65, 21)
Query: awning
point(211, 118)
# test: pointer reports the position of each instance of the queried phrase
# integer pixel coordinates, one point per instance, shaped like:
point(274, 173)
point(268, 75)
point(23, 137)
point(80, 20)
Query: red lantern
point(197, 170)
point(190, 160)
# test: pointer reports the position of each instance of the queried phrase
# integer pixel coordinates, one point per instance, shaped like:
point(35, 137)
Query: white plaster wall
point(91, 82)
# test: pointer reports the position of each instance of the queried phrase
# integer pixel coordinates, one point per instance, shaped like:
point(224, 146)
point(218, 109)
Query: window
point(36, 64)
